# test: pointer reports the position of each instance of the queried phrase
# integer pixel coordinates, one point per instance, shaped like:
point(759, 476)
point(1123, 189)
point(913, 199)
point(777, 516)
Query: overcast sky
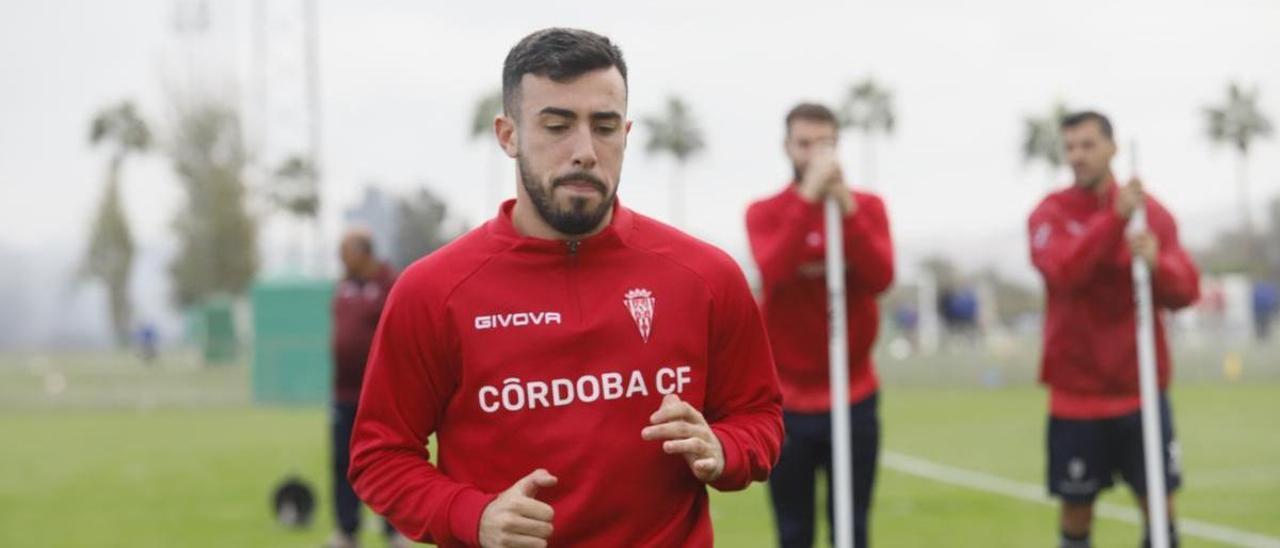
point(398, 81)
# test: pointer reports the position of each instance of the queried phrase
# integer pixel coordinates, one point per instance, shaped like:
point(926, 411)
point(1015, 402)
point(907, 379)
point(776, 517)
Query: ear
point(504, 129)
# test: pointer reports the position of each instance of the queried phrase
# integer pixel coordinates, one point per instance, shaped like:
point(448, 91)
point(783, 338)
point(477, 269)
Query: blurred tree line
point(218, 233)
point(1238, 251)
point(406, 225)
point(109, 257)
point(216, 227)
point(217, 237)
point(421, 226)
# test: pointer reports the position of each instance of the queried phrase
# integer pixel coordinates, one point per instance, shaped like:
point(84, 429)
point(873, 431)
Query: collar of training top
point(503, 229)
point(1091, 197)
point(793, 188)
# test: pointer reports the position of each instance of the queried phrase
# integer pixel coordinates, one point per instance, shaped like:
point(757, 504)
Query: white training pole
point(1152, 445)
point(837, 336)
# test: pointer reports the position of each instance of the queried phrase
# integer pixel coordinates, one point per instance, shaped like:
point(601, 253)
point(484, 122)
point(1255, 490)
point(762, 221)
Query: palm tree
point(486, 108)
point(217, 237)
point(294, 188)
point(1042, 139)
point(868, 109)
point(674, 131)
point(109, 257)
point(1237, 122)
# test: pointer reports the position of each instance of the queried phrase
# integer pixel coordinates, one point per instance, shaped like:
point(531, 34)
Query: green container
point(291, 326)
point(210, 328)
point(218, 332)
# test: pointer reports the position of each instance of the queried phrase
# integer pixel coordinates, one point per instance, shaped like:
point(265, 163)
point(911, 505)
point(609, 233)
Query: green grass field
point(176, 456)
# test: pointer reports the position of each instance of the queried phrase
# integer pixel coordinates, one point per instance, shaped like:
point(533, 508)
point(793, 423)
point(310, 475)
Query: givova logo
point(517, 319)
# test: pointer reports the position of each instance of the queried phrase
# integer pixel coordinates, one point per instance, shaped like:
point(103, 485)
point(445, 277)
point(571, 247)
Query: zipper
point(572, 268)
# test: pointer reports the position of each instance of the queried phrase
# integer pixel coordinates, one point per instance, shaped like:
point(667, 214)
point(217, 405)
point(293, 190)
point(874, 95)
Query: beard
point(1088, 178)
point(578, 217)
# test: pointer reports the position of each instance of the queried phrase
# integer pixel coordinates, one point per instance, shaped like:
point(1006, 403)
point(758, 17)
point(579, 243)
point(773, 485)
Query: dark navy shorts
point(1085, 456)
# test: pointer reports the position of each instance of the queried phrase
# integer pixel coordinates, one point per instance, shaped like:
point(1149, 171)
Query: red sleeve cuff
point(1165, 269)
point(465, 512)
point(1174, 281)
point(736, 474)
point(1169, 269)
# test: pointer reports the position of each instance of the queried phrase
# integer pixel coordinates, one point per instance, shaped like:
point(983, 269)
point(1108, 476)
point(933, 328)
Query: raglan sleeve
point(868, 247)
point(410, 376)
point(776, 230)
point(1067, 260)
point(743, 403)
point(1176, 280)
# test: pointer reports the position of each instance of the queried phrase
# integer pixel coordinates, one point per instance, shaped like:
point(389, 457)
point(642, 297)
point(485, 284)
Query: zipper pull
point(573, 246)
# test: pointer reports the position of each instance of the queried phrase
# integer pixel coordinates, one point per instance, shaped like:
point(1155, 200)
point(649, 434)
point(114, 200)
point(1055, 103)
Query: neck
point(1098, 186)
point(530, 224)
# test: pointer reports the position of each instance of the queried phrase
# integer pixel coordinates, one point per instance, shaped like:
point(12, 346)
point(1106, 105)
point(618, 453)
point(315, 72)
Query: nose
point(584, 149)
point(1074, 155)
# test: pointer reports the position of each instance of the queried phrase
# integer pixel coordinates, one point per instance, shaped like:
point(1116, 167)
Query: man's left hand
point(843, 196)
point(686, 432)
point(1147, 246)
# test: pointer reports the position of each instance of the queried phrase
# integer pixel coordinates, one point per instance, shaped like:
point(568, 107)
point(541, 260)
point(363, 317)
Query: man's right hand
point(1128, 197)
point(517, 519)
point(823, 168)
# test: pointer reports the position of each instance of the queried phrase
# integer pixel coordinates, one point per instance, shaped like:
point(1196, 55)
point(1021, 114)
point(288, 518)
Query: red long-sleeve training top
point(521, 353)
point(1090, 351)
point(789, 244)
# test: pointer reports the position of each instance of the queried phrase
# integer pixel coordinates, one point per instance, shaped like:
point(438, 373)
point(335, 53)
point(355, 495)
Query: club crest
point(640, 303)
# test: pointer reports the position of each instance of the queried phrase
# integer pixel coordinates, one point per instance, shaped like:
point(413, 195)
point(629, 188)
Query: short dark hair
point(813, 112)
point(560, 54)
point(1077, 118)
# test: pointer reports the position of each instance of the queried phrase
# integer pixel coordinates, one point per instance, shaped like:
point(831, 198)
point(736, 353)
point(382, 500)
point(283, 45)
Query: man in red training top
point(357, 304)
point(586, 370)
point(1090, 361)
point(789, 244)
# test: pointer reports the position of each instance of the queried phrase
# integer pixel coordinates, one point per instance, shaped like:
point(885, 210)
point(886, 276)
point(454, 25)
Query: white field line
point(980, 481)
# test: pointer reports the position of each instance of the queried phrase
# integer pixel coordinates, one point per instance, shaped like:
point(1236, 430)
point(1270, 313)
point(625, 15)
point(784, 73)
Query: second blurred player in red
point(789, 246)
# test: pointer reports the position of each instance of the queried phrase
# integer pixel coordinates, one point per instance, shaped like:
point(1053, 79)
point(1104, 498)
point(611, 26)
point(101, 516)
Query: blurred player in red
point(1080, 246)
point(789, 244)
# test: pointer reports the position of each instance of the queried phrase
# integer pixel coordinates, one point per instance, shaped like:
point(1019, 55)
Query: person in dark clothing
point(1266, 301)
point(357, 304)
